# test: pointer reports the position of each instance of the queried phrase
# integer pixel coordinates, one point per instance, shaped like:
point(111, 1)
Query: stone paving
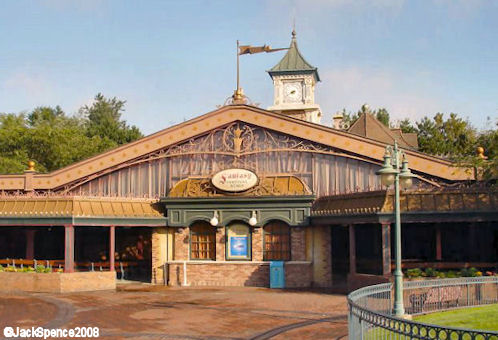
point(156, 312)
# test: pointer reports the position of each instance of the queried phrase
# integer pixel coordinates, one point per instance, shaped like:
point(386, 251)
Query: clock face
point(293, 92)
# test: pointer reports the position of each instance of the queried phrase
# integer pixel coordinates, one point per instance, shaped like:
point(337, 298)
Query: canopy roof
point(79, 210)
point(426, 205)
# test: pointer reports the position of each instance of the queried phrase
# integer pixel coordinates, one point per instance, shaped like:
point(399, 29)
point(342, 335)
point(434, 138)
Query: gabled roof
point(293, 62)
point(368, 126)
point(362, 147)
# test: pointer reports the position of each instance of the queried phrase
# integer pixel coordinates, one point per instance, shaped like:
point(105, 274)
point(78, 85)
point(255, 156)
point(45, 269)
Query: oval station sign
point(234, 180)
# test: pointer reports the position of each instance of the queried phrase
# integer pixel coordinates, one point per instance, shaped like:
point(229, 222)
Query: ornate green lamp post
point(395, 170)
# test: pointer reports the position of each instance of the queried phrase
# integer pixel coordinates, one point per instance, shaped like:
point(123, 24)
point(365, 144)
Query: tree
point(383, 116)
point(54, 140)
point(406, 126)
point(104, 120)
point(348, 118)
point(453, 137)
point(13, 132)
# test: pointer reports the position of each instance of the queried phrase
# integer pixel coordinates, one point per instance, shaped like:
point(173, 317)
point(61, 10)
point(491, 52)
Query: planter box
point(57, 282)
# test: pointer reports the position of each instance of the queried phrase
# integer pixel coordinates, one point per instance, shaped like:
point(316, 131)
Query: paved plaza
point(156, 312)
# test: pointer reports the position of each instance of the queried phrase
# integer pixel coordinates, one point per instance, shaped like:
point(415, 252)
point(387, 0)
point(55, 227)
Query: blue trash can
point(277, 274)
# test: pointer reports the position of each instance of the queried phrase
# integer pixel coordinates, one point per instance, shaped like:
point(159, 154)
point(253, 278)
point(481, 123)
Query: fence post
point(361, 328)
point(468, 295)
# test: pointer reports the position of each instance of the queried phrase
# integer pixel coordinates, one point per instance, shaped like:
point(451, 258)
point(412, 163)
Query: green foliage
point(383, 116)
point(42, 269)
point(453, 137)
point(413, 273)
point(348, 117)
point(406, 126)
point(104, 120)
point(54, 140)
point(431, 273)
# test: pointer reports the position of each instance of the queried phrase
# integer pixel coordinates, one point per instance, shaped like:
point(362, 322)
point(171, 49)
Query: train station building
point(215, 200)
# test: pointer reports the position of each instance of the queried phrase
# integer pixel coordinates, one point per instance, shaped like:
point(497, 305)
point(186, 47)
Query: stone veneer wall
point(298, 272)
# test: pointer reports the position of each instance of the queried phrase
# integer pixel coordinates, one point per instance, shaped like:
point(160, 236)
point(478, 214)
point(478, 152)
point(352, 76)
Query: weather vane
point(238, 96)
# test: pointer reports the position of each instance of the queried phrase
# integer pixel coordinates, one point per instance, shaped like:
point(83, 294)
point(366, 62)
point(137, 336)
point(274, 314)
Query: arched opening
point(276, 241)
point(202, 241)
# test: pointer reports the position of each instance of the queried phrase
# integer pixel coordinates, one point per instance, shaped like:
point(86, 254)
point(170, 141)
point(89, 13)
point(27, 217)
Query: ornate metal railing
point(370, 309)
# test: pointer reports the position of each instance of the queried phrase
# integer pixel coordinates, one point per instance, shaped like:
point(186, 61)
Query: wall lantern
point(214, 221)
point(253, 220)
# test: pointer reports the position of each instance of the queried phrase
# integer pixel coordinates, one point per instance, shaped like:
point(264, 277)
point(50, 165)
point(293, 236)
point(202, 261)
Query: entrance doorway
point(340, 254)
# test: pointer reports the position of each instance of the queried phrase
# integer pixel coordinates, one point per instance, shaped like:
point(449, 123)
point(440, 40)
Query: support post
point(30, 244)
point(386, 248)
point(439, 252)
point(68, 248)
point(399, 309)
point(112, 247)
point(352, 250)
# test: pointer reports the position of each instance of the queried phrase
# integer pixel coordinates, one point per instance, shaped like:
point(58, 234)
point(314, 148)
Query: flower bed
point(433, 273)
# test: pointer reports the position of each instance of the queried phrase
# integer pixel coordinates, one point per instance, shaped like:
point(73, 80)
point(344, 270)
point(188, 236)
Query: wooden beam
point(68, 248)
point(352, 250)
point(112, 247)
point(439, 250)
point(30, 244)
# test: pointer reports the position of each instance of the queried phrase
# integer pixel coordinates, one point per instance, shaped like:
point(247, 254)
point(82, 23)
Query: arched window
point(276, 244)
point(202, 241)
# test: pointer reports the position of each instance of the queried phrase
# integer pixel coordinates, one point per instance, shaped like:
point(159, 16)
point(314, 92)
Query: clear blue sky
point(174, 60)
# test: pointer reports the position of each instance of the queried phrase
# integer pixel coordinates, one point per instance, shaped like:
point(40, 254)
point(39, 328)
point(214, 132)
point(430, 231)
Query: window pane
point(202, 241)
point(277, 241)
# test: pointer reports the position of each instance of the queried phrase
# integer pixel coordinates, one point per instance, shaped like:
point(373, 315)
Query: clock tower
point(294, 82)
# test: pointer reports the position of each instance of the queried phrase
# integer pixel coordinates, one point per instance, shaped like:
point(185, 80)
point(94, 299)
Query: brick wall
point(322, 256)
point(158, 254)
point(237, 273)
point(57, 282)
point(298, 275)
point(257, 244)
point(220, 244)
point(181, 244)
point(298, 244)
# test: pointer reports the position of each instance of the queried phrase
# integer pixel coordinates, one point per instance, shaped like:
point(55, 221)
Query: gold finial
point(31, 166)
point(239, 97)
point(480, 152)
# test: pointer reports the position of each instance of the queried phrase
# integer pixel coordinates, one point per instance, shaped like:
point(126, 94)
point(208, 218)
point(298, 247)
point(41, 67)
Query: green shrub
point(452, 274)
point(413, 273)
point(430, 272)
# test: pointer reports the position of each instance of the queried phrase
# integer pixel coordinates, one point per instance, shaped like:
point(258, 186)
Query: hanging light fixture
point(214, 221)
point(253, 220)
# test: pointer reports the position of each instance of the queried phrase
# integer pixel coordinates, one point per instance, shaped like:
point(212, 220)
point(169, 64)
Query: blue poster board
point(238, 246)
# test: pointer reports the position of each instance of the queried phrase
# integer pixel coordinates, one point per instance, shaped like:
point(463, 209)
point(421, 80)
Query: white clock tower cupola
point(294, 82)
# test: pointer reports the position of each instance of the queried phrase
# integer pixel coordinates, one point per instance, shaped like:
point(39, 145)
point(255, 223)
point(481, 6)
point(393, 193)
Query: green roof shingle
point(293, 62)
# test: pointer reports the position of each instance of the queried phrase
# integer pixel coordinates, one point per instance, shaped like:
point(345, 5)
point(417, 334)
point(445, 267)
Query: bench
point(436, 297)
